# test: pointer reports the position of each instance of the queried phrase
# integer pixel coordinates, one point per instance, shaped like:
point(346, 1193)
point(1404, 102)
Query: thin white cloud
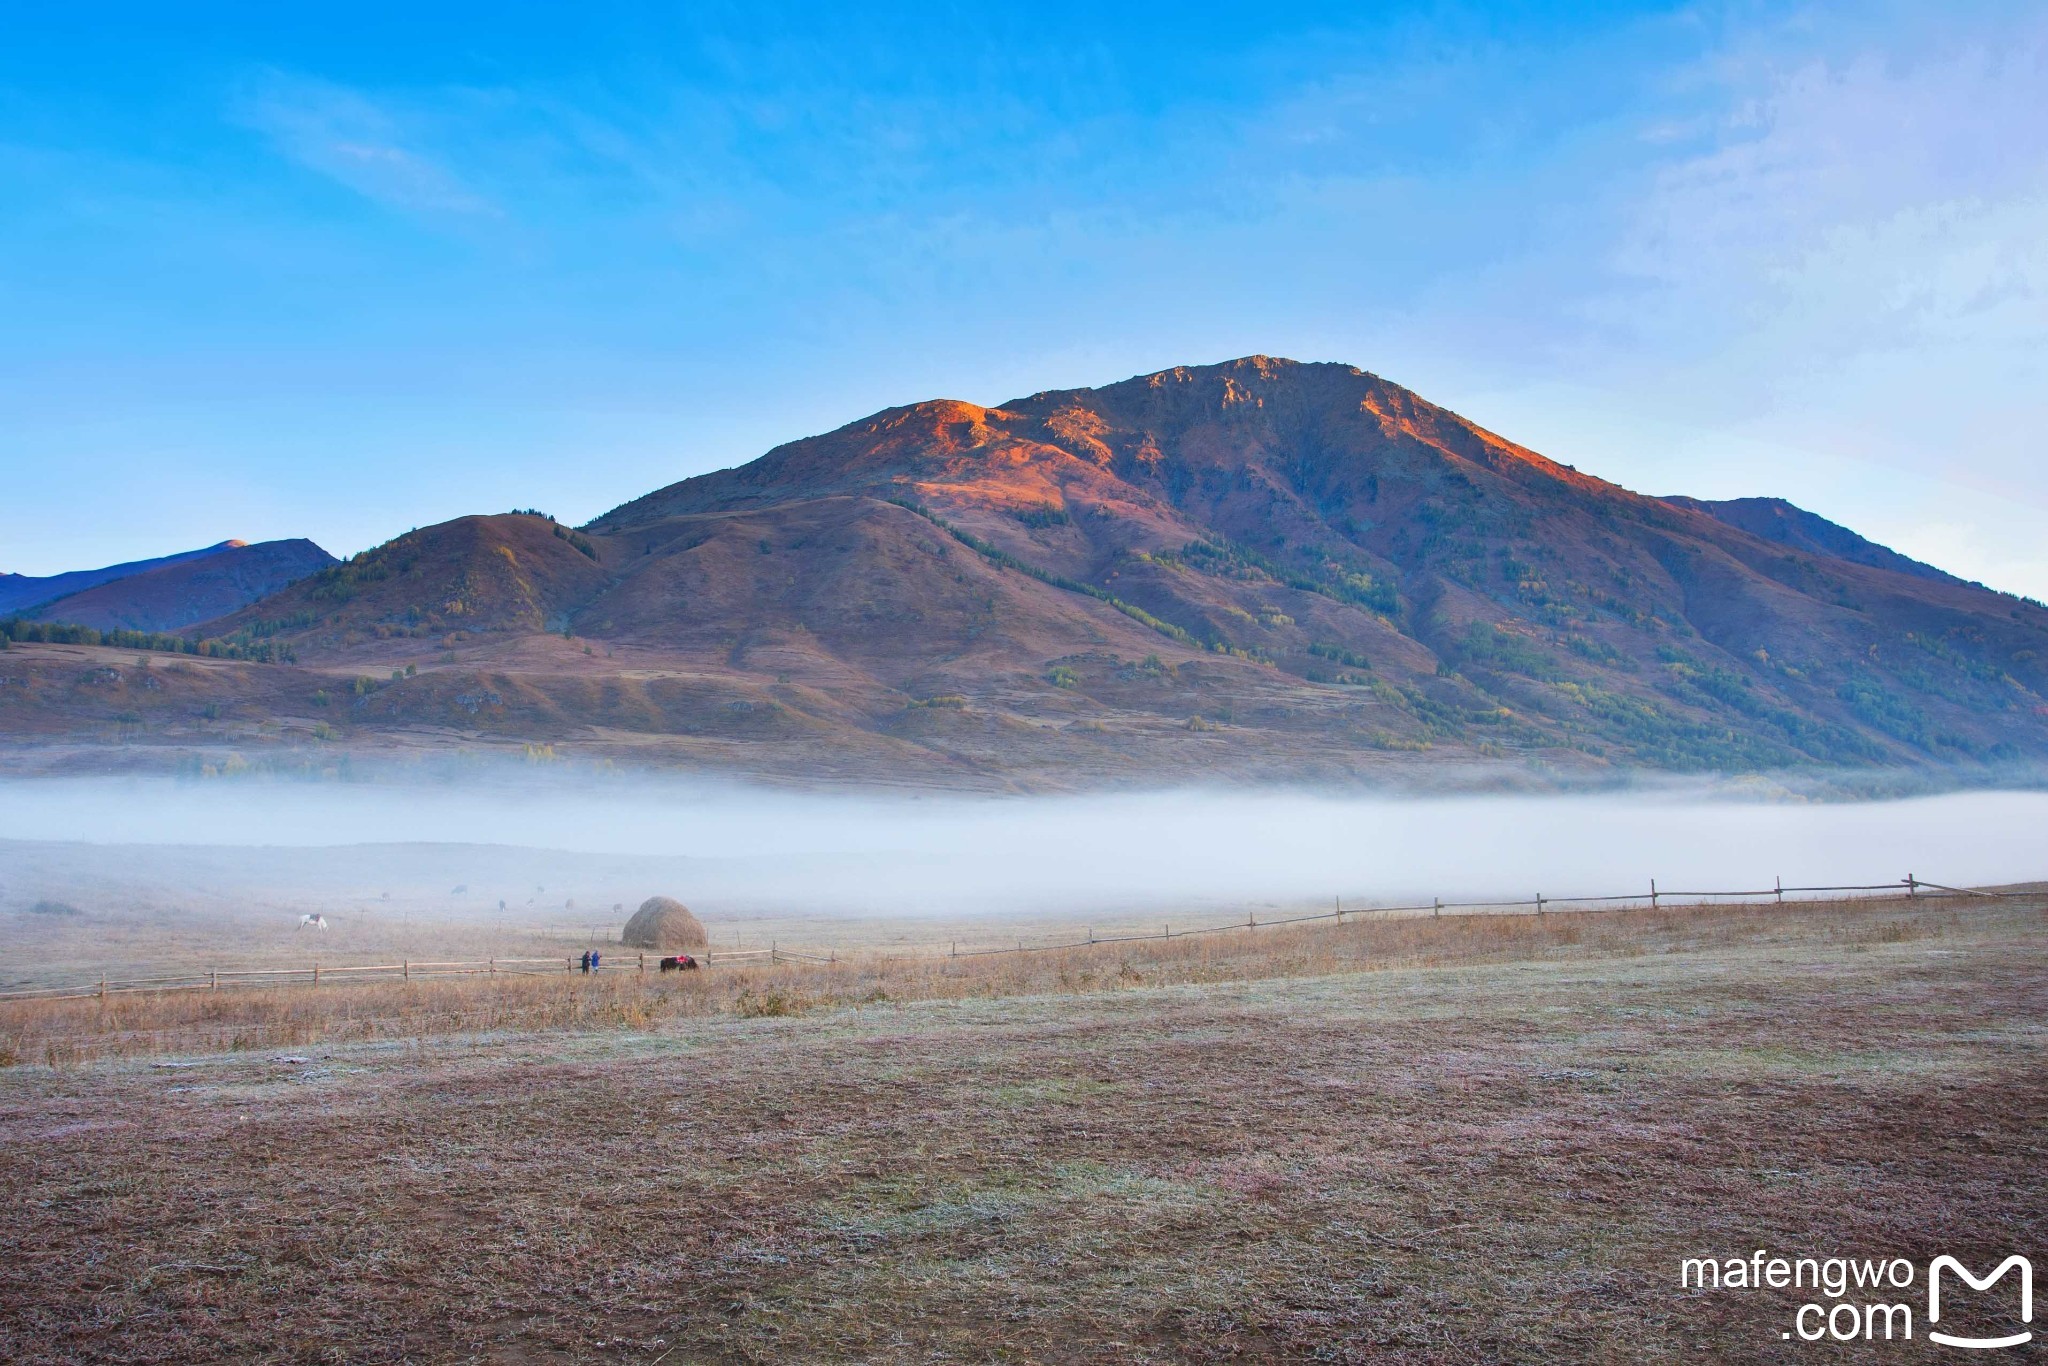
point(1838, 253)
point(350, 138)
point(1853, 213)
point(1878, 200)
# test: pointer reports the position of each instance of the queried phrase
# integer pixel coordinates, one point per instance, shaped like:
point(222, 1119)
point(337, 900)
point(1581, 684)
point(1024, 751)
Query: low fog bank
point(738, 850)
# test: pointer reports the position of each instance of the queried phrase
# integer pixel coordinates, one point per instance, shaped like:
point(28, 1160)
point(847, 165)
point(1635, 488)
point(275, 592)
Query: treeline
point(562, 533)
point(576, 539)
point(18, 629)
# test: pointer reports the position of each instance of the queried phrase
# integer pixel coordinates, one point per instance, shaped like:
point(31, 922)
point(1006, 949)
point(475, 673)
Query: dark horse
point(681, 962)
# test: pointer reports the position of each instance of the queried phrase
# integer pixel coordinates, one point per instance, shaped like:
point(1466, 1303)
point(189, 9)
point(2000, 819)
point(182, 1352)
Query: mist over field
point(751, 849)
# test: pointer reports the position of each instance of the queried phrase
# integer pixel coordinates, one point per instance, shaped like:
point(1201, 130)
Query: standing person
point(584, 961)
point(594, 959)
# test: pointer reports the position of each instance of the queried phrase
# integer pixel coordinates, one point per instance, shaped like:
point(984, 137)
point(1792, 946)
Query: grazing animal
point(312, 922)
point(680, 962)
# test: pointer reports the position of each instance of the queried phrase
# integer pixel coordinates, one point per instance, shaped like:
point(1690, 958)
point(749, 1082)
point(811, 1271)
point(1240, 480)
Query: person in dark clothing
point(584, 961)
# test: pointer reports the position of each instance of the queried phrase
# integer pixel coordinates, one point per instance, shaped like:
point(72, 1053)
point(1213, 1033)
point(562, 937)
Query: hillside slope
point(515, 574)
point(189, 590)
point(1257, 569)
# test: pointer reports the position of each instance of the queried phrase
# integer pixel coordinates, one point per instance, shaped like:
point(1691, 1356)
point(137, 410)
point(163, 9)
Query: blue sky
point(341, 270)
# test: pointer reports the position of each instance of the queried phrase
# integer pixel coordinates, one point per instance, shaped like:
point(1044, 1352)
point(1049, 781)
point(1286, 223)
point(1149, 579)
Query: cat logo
point(1940, 1264)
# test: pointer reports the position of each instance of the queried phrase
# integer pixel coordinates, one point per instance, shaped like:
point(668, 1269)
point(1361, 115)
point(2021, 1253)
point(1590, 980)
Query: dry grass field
point(1460, 1140)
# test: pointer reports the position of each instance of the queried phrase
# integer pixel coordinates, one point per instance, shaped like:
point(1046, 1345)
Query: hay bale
point(665, 924)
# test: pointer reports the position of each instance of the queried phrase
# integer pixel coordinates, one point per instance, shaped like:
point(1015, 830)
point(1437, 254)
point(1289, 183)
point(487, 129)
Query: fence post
point(1653, 894)
point(1436, 906)
point(1539, 903)
point(493, 967)
point(1778, 885)
point(405, 967)
point(316, 973)
point(1251, 921)
point(1340, 910)
point(213, 980)
point(1912, 886)
point(643, 964)
point(103, 986)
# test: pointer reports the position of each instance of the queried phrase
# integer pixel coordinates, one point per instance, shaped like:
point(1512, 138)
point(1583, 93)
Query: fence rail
point(1907, 888)
point(313, 974)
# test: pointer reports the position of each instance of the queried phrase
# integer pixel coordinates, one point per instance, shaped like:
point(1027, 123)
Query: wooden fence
point(314, 974)
point(1908, 888)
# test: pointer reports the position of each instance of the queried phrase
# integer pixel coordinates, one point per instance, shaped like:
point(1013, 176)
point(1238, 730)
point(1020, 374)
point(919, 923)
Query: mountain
point(1260, 569)
point(18, 591)
point(1780, 522)
point(187, 589)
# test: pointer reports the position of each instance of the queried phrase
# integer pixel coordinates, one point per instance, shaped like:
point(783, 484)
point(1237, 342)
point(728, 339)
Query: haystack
point(665, 924)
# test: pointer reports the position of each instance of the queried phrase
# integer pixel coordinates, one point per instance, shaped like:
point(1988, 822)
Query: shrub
point(1489, 647)
point(1338, 654)
point(752, 1005)
point(577, 540)
point(1042, 517)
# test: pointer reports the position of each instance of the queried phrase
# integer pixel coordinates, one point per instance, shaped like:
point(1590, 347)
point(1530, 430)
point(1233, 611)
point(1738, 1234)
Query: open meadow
point(1468, 1139)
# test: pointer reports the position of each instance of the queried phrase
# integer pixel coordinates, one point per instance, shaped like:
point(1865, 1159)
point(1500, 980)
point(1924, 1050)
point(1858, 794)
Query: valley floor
point(1497, 1161)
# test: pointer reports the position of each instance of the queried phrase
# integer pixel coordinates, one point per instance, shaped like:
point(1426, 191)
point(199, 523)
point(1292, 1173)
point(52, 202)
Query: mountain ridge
point(22, 591)
point(1786, 523)
point(188, 590)
point(1258, 568)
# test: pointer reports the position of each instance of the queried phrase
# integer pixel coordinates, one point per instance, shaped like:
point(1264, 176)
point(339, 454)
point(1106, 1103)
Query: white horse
point(312, 922)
